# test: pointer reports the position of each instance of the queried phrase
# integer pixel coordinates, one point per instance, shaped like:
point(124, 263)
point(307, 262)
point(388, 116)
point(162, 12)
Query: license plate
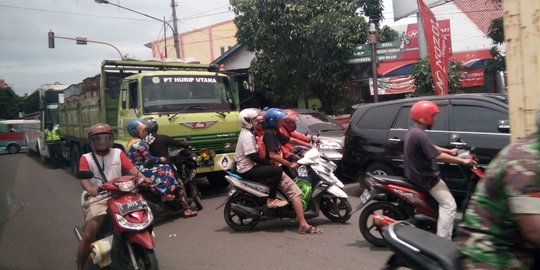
point(365, 197)
point(132, 206)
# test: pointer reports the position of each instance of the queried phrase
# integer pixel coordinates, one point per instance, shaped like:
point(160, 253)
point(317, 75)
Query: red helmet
point(423, 111)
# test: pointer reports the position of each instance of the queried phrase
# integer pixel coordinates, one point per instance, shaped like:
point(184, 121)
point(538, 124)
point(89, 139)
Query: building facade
point(203, 44)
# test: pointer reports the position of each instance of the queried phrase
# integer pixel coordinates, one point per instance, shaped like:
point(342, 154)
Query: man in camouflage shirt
point(501, 226)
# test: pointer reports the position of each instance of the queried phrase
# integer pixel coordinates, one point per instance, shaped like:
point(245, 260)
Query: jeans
point(447, 209)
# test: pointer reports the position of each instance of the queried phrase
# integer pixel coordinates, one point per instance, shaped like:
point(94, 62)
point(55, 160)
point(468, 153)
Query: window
point(475, 118)
point(404, 121)
point(133, 95)
point(379, 117)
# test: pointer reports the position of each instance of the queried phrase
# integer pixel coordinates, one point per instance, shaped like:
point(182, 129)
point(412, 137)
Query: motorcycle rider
point(501, 226)
point(159, 147)
point(420, 161)
point(289, 129)
point(161, 174)
point(248, 162)
point(273, 140)
point(103, 161)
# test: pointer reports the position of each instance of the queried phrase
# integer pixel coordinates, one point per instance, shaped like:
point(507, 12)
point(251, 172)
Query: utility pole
point(175, 25)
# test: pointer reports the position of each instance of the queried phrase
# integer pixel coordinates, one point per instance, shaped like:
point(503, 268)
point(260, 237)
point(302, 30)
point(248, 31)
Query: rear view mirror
point(503, 126)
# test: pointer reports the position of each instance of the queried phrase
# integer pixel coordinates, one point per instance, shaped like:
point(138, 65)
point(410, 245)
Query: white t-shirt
point(110, 163)
point(246, 145)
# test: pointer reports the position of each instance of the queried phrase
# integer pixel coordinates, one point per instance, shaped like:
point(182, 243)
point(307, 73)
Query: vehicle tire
point(372, 233)
point(217, 179)
point(146, 258)
point(380, 169)
point(13, 148)
point(195, 195)
point(74, 158)
point(336, 209)
point(236, 221)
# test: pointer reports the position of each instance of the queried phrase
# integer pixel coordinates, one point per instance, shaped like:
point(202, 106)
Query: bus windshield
point(186, 93)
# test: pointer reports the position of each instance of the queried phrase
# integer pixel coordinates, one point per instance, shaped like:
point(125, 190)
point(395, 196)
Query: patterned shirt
point(489, 235)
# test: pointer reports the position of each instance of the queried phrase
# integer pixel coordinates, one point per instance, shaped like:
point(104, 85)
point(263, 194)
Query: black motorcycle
point(183, 162)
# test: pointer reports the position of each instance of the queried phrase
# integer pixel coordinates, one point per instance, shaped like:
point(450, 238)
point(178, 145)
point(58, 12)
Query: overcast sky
point(26, 62)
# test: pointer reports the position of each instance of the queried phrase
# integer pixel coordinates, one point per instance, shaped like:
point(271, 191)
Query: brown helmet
point(99, 128)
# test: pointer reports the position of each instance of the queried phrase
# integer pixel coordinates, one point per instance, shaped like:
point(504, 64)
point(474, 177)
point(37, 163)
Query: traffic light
point(51, 39)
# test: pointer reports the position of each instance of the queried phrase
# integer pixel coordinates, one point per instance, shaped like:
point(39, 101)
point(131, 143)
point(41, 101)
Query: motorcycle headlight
point(126, 186)
point(302, 172)
point(330, 145)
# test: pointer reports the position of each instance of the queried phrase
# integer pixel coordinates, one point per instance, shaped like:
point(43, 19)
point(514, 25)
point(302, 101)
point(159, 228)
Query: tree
point(10, 104)
point(423, 78)
point(301, 47)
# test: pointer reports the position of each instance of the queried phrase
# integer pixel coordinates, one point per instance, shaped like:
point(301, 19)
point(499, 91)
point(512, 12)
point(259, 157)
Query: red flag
point(438, 48)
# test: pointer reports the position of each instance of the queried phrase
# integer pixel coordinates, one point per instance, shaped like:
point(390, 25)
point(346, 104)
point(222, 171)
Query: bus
point(42, 105)
point(13, 134)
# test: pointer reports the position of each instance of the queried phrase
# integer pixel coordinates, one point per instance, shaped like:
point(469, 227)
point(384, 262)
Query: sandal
point(190, 213)
point(310, 230)
point(276, 203)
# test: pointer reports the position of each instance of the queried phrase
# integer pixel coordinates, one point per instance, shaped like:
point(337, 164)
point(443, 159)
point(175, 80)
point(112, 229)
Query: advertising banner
point(393, 85)
point(437, 48)
point(473, 77)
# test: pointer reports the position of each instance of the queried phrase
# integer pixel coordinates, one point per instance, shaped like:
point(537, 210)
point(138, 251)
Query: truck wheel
point(217, 179)
point(74, 159)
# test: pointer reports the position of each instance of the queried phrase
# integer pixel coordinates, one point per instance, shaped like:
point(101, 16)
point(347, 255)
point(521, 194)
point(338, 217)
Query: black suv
point(374, 137)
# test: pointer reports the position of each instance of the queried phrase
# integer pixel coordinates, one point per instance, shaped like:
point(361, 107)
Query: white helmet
point(246, 115)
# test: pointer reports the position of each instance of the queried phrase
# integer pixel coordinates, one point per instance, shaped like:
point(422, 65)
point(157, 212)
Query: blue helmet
point(132, 127)
point(272, 116)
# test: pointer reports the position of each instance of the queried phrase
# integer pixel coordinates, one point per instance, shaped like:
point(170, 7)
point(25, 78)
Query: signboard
point(393, 85)
point(385, 51)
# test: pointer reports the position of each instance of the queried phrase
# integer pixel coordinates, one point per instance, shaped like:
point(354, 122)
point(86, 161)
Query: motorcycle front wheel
point(195, 194)
point(372, 233)
point(146, 258)
point(336, 209)
point(239, 222)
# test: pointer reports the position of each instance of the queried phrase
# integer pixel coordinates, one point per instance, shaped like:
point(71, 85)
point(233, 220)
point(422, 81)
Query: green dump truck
point(192, 101)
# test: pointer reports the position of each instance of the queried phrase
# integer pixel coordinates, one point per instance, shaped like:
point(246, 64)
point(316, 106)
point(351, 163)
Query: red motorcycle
point(398, 199)
point(125, 240)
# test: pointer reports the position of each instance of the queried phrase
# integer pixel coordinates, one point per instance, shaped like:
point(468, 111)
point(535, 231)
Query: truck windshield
point(186, 93)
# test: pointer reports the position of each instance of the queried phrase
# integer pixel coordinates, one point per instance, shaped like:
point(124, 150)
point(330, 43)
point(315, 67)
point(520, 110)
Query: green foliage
point(302, 47)
point(423, 79)
point(496, 31)
point(10, 104)
point(373, 10)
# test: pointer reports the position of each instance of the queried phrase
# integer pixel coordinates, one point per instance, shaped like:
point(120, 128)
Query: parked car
point(318, 125)
point(374, 137)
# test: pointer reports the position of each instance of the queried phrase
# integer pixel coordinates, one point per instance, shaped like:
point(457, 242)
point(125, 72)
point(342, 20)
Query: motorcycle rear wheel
point(372, 233)
point(236, 221)
point(336, 209)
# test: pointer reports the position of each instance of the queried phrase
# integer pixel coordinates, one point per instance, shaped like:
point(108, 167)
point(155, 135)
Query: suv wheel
point(380, 169)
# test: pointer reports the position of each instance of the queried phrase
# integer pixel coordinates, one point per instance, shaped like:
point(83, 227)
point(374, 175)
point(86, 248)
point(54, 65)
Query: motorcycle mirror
point(84, 174)
point(148, 163)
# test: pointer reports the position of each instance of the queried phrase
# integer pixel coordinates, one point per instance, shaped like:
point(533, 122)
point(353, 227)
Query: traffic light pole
point(80, 41)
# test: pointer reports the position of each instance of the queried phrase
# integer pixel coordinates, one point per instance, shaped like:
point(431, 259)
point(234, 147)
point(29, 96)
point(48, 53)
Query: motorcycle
point(322, 191)
point(418, 249)
point(126, 238)
point(184, 163)
point(398, 199)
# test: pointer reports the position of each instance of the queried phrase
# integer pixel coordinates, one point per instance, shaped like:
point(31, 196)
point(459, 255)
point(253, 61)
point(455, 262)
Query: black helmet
point(151, 124)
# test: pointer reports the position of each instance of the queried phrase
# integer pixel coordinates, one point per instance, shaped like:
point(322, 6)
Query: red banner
point(437, 48)
point(473, 77)
point(393, 85)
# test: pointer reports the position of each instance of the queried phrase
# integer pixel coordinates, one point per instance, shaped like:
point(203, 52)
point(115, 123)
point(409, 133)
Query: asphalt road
point(39, 208)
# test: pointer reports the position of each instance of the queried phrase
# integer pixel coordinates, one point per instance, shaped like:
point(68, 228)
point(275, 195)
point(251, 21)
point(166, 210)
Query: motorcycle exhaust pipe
point(245, 210)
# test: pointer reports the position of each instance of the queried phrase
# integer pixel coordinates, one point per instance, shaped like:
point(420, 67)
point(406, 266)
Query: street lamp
point(79, 41)
point(175, 32)
point(372, 39)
